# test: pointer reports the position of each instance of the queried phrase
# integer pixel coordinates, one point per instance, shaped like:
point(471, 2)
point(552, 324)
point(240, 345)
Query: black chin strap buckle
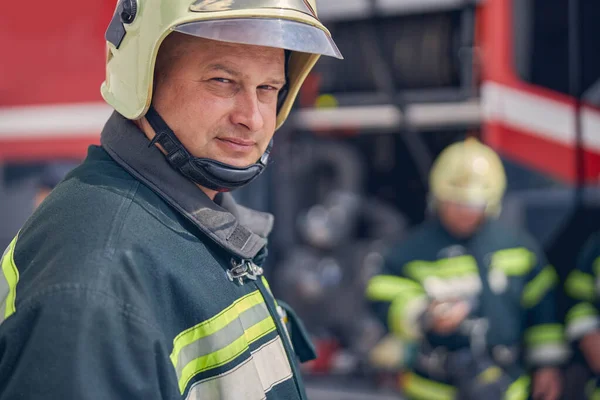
point(176, 155)
point(155, 139)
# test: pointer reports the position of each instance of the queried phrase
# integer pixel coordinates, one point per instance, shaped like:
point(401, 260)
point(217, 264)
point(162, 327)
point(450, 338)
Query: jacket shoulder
point(95, 229)
point(509, 236)
point(420, 243)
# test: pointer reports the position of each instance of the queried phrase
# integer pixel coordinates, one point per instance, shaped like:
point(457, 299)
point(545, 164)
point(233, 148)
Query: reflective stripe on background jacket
point(582, 288)
point(117, 288)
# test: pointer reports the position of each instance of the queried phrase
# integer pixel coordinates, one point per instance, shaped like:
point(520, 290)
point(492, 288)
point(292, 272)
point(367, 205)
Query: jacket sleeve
point(544, 340)
point(75, 343)
point(397, 300)
point(580, 287)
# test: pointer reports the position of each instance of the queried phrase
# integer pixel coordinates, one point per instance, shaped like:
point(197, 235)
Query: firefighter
point(476, 297)
point(582, 321)
point(139, 277)
point(23, 186)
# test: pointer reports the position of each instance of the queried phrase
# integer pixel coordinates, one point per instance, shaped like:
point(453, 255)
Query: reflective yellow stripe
point(448, 267)
point(222, 338)
point(9, 278)
point(418, 270)
point(580, 310)
point(266, 283)
point(517, 261)
point(581, 319)
point(280, 310)
point(543, 334)
point(580, 286)
point(519, 390)
point(403, 314)
point(226, 354)
point(455, 266)
point(419, 388)
point(536, 289)
point(388, 287)
point(214, 324)
point(490, 375)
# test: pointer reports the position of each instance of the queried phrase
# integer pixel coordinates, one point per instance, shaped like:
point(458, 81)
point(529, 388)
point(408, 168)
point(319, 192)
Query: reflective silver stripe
point(266, 368)
point(272, 364)
point(284, 320)
point(547, 354)
point(222, 337)
point(4, 288)
point(582, 326)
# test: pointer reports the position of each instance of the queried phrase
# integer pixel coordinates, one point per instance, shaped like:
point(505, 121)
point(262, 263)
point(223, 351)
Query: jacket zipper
point(245, 269)
point(282, 333)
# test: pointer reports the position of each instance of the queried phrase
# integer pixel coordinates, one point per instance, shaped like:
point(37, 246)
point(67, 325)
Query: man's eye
point(221, 80)
point(268, 87)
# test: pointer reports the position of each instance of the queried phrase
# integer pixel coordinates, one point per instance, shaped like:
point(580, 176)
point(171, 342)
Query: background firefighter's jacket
point(502, 274)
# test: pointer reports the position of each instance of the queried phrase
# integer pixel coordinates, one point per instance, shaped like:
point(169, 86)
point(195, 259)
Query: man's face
point(219, 98)
point(461, 220)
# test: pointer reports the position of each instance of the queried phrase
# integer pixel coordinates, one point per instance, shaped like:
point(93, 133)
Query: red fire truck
point(529, 101)
point(524, 75)
point(51, 69)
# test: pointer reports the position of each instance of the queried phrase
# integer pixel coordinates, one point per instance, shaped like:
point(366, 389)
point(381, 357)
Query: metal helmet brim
point(277, 33)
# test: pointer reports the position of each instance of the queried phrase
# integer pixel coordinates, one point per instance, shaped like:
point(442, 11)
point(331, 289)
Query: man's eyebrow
point(276, 81)
point(221, 67)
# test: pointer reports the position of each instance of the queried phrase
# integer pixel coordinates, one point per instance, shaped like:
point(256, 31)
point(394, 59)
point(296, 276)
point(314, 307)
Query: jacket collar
point(237, 229)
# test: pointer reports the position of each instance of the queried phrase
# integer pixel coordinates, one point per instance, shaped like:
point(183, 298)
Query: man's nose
point(247, 111)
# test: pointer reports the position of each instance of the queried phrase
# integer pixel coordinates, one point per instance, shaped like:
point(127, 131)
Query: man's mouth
point(237, 144)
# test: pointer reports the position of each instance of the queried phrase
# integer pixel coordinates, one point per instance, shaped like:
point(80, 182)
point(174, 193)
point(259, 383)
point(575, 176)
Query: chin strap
point(205, 172)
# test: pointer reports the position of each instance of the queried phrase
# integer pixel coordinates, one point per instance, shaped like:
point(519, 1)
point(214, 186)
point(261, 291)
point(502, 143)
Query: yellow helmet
point(138, 28)
point(469, 172)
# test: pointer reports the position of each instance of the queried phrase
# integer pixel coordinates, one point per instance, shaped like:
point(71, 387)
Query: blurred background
point(350, 167)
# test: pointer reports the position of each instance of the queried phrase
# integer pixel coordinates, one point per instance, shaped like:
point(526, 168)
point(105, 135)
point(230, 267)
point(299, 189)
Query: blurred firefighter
point(23, 187)
point(477, 297)
point(582, 320)
point(139, 277)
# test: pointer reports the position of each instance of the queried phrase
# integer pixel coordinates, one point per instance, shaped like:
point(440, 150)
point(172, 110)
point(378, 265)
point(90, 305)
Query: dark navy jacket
point(118, 288)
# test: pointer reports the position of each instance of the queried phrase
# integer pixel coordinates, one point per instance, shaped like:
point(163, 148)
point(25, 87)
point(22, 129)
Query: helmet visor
point(279, 33)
